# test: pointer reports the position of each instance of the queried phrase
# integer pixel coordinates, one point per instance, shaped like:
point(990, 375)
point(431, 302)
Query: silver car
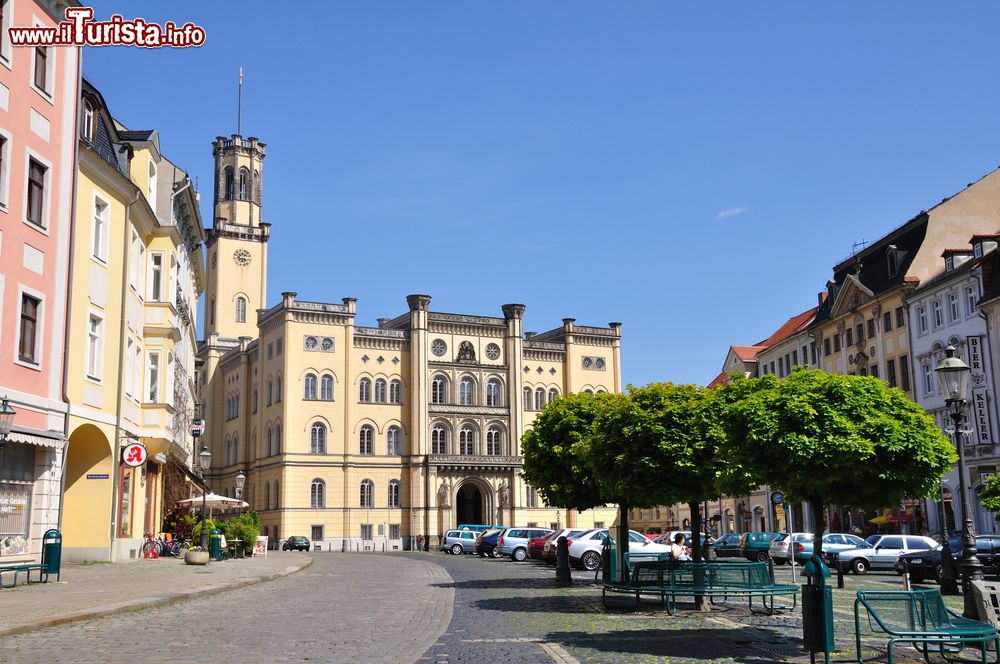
point(881, 552)
point(459, 541)
point(513, 542)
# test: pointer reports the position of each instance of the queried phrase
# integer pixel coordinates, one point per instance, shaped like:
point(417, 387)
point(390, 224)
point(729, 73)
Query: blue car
point(487, 545)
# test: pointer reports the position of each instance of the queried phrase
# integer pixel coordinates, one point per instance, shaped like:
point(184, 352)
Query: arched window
point(493, 392)
point(366, 440)
point(268, 449)
point(244, 184)
point(553, 394)
point(365, 390)
point(367, 489)
point(539, 398)
point(270, 392)
point(396, 391)
point(532, 496)
point(230, 186)
point(380, 390)
point(236, 450)
point(393, 441)
point(267, 495)
point(253, 400)
point(309, 391)
point(393, 493)
point(439, 440)
point(466, 441)
point(256, 187)
point(241, 310)
point(277, 389)
point(466, 390)
point(277, 439)
point(326, 387)
point(317, 439)
point(317, 494)
point(277, 494)
point(228, 445)
point(439, 390)
point(494, 440)
point(590, 392)
point(527, 398)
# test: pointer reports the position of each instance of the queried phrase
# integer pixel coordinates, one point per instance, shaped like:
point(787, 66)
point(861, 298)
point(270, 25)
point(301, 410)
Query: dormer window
point(87, 125)
point(977, 249)
point(892, 259)
point(949, 264)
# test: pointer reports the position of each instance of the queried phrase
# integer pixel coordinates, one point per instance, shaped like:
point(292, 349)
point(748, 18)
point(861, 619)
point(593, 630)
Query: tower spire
point(239, 106)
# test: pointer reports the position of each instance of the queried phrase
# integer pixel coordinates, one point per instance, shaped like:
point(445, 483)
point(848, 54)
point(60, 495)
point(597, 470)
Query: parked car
point(755, 545)
point(459, 541)
point(296, 543)
point(486, 543)
point(585, 549)
point(513, 542)
point(881, 552)
point(801, 546)
point(537, 544)
point(927, 564)
point(728, 546)
point(551, 545)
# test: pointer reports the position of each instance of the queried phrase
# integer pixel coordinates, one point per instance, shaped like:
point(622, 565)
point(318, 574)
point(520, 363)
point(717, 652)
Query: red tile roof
point(967, 250)
point(984, 236)
point(721, 379)
point(748, 353)
point(791, 326)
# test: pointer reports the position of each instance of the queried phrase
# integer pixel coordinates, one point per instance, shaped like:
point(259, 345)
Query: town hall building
point(373, 437)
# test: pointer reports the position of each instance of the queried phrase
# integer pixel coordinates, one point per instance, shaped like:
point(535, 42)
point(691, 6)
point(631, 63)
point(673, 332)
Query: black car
point(728, 546)
point(296, 543)
point(927, 564)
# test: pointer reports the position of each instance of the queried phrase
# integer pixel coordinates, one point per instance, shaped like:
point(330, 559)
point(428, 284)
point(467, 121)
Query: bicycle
point(154, 548)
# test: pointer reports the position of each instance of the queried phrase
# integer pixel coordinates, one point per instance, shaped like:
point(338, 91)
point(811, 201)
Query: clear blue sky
point(693, 170)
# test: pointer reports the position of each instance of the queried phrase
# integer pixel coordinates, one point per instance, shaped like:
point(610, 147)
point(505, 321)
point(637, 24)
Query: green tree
point(990, 496)
point(827, 438)
point(552, 452)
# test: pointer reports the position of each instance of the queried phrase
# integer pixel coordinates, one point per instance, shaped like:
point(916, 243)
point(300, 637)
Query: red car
point(537, 544)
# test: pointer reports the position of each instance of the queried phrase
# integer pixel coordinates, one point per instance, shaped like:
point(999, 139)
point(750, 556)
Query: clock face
point(310, 343)
point(241, 257)
point(492, 351)
point(438, 347)
point(327, 343)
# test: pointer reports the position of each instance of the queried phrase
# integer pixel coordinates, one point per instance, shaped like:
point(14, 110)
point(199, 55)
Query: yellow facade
point(377, 436)
point(136, 272)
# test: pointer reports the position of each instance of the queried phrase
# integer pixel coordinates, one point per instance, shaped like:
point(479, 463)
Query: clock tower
point(237, 240)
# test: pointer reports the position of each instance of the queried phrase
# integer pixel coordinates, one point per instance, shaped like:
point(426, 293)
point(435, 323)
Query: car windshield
point(781, 537)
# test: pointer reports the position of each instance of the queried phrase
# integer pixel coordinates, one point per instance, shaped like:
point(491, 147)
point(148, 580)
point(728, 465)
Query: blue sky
point(693, 170)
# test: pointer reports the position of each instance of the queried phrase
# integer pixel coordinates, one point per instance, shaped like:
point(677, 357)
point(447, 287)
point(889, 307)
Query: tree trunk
point(622, 541)
point(817, 513)
point(699, 576)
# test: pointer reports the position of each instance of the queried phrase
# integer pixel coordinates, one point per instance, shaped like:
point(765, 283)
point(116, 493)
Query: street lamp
point(6, 420)
point(204, 463)
point(241, 479)
point(953, 375)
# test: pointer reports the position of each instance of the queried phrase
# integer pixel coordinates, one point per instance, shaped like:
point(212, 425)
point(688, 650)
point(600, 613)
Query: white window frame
point(971, 297)
point(241, 316)
point(467, 392)
point(928, 373)
point(95, 347)
point(393, 441)
point(954, 308)
point(937, 313)
point(133, 259)
point(137, 376)
point(88, 121)
point(5, 168)
point(155, 296)
point(323, 380)
point(6, 49)
point(50, 66)
point(99, 230)
point(153, 371)
point(922, 326)
point(30, 155)
point(39, 329)
point(394, 497)
point(129, 365)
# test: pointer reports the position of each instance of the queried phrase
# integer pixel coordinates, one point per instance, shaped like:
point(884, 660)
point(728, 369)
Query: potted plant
point(196, 556)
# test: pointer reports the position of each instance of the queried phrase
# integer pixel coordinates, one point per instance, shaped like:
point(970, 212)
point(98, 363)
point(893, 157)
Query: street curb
point(152, 602)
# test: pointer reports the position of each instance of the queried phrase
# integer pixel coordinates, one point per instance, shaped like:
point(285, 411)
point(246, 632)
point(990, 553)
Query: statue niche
point(466, 353)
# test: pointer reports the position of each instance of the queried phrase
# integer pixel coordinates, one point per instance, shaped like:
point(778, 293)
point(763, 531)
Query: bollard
point(949, 573)
point(563, 574)
point(906, 575)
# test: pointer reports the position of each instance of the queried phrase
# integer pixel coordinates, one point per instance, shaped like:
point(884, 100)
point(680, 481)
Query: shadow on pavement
point(740, 645)
point(531, 583)
point(550, 604)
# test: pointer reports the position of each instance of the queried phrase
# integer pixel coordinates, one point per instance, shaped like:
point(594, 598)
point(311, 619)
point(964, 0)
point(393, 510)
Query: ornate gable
point(852, 296)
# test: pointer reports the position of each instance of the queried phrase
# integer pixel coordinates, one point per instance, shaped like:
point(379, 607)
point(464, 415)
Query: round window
point(493, 351)
point(438, 347)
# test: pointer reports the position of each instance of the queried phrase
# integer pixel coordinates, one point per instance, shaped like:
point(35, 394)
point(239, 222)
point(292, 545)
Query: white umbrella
point(213, 501)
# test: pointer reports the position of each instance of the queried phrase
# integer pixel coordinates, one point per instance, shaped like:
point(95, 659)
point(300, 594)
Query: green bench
point(15, 570)
point(717, 581)
point(921, 619)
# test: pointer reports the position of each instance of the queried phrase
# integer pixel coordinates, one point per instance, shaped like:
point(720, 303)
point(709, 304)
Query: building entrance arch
point(472, 504)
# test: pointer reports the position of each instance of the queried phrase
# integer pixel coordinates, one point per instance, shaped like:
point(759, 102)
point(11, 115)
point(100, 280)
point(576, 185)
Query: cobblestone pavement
point(514, 612)
point(342, 608)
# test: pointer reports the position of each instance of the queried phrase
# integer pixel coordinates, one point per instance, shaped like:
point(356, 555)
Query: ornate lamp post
point(204, 463)
point(241, 480)
point(6, 420)
point(953, 375)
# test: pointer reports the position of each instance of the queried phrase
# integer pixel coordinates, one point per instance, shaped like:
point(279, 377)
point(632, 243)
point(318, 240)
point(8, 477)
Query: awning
point(35, 439)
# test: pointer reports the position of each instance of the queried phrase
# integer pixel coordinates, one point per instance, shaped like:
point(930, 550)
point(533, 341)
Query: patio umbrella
point(213, 501)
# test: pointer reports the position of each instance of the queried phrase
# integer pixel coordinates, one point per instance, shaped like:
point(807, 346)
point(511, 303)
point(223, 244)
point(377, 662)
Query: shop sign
point(981, 433)
point(12, 505)
point(134, 455)
point(98, 476)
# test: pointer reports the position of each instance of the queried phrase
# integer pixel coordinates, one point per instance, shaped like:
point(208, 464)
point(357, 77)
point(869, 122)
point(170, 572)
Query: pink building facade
point(39, 91)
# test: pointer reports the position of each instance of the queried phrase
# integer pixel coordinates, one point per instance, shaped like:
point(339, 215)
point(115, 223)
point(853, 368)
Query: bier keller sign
point(981, 431)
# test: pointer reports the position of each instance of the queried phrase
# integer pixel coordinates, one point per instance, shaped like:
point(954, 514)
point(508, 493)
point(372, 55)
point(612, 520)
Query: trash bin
point(52, 552)
point(817, 610)
point(215, 544)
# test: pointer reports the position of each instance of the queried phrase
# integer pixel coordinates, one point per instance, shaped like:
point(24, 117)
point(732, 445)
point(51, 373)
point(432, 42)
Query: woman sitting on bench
point(677, 550)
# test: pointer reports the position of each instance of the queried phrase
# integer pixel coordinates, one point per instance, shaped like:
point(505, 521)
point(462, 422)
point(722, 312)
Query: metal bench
point(716, 581)
point(920, 618)
point(27, 568)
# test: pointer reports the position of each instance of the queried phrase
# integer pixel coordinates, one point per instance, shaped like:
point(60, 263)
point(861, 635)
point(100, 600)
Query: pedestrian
point(677, 550)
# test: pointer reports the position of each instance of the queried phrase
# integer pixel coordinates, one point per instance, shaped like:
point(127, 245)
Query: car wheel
point(859, 566)
point(762, 556)
point(519, 555)
point(495, 552)
point(456, 549)
point(591, 561)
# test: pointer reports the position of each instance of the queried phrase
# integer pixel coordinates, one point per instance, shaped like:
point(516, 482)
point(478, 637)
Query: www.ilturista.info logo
point(80, 29)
